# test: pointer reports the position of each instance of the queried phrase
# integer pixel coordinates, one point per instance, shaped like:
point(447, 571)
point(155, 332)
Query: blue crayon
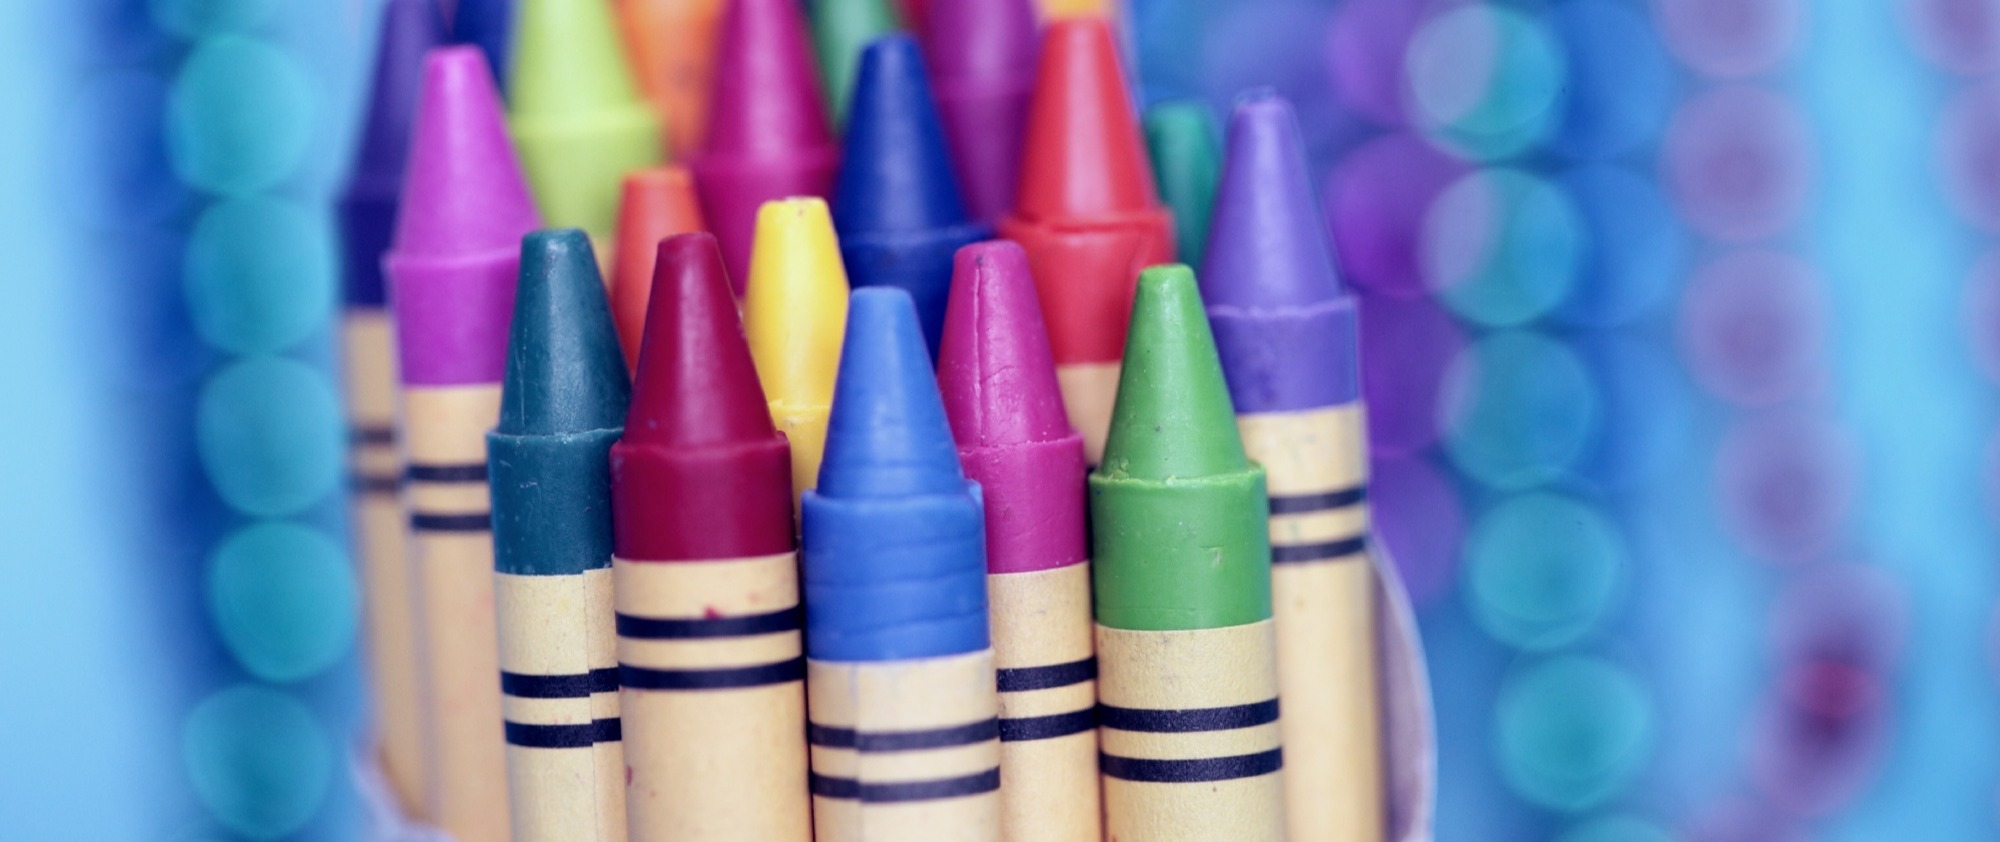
point(549, 461)
point(1285, 329)
point(897, 204)
point(488, 25)
point(898, 664)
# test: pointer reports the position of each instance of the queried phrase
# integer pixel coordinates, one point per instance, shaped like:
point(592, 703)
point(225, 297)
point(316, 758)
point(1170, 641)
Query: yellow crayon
point(795, 313)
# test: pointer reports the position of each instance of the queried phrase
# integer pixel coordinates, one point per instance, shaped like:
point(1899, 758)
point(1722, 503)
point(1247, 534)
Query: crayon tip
point(995, 369)
point(1084, 155)
point(464, 192)
point(1267, 247)
point(695, 385)
point(564, 374)
point(654, 204)
point(895, 174)
point(796, 307)
point(1181, 138)
point(488, 25)
point(767, 95)
point(887, 436)
point(841, 29)
point(409, 29)
point(1173, 418)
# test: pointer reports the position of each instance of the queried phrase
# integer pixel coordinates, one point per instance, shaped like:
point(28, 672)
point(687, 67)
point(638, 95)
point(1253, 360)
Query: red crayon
point(656, 204)
point(711, 654)
point(769, 136)
point(1088, 215)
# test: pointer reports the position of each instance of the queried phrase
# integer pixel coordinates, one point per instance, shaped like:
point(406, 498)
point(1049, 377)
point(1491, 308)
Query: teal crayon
point(562, 407)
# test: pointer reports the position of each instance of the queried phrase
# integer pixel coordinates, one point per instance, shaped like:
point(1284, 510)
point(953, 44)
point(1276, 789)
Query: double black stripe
point(572, 686)
point(1298, 504)
point(645, 678)
point(1191, 771)
point(432, 522)
point(1188, 721)
point(1022, 729)
point(375, 483)
point(1022, 679)
point(565, 736)
point(893, 793)
point(469, 472)
point(1325, 551)
point(749, 625)
point(888, 741)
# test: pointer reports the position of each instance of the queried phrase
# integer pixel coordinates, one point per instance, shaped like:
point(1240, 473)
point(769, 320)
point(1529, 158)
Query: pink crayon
point(451, 274)
point(982, 60)
point(999, 383)
point(768, 132)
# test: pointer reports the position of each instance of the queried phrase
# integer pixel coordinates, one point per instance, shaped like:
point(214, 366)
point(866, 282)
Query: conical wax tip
point(995, 368)
point(1267, 244)
point(695, 384)
point(888, 436)
point(564, 371)
point(1173, 418)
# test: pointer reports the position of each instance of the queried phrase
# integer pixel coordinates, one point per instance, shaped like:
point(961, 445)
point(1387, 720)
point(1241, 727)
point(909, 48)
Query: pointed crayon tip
point(464, 192)
point(1084, 154)
point(995, 369)
point(569, 62)
point(409, 29)
point(895, 174)
point(841, 30)
point(1173, 418)
point(1181, 138)
point(564, 374)
point(796, 306)
point(654, 204)
point(488, 25)
point(672, 44)
point(1268, 245)
point(695, 384)
point(887, 436)
point(767, 94)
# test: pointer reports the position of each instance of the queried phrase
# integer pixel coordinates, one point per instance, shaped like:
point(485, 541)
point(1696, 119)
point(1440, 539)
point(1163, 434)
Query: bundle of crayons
point(1020, 539)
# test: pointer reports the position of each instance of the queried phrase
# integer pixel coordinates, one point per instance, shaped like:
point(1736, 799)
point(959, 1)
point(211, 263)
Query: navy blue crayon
point(898, 663)
point(897, 204)
point(549, 461)
point(488, 25)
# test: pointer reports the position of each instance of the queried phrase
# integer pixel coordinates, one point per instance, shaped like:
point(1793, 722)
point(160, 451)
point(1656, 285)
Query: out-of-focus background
point(1682, 323)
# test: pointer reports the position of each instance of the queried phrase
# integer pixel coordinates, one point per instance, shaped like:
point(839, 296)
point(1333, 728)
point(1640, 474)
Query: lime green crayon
point(840, 29)
point(577, 116)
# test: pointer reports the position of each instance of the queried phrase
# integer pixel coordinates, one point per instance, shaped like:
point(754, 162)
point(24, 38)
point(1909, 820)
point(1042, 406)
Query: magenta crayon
point(1006, 413)
point(768, 133)
point(452, 274)
point(982, 60)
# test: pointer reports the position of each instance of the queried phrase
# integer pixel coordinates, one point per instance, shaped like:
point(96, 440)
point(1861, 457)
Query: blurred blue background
point(1682, 321)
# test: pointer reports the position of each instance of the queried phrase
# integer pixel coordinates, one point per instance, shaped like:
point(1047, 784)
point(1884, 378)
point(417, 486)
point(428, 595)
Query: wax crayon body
point(1180, 139)
point(657, 203)
point(1006, 413)
point(1188, 688)
point(710, 649)
point(768, 133)
point(1087, 214)
point(982, 58)
point(672, 44)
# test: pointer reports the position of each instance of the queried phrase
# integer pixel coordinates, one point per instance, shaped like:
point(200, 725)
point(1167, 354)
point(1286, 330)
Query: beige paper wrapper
point(558, 793)
point(1042, 634)
point(1088, 391)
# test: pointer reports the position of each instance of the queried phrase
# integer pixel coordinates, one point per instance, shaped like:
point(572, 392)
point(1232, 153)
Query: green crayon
point(1180, 137)
point(840, 29)
point(1188, 688)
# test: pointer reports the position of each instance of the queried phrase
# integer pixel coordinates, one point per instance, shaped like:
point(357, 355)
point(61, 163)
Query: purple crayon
point(367, 214)
point(982, 60)
point(451, 275)
point(1286, 331)
point(768, 133)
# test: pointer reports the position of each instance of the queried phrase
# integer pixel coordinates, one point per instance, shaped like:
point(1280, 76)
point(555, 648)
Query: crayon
point(841, 29)
point(915, 13)
point(655, 204)
point(1180, 136)
point(899, 676)
point(1188, 687)
point(1287, 335)
point(577, 117)
point(794, 315)
point(982, 60)
point(452, 273)
point(768, 136)
point(999, 386)
point(709, 645)
point(488, 25)
point(561, 406)
point(1087, 214)
point(897, 205)
point(367, 222)
point(672, 44)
